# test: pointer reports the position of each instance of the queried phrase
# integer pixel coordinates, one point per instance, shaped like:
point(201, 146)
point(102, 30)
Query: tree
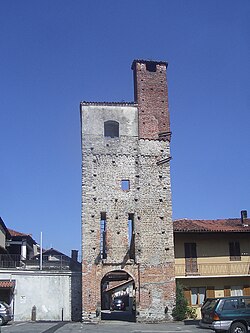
point(181, 305)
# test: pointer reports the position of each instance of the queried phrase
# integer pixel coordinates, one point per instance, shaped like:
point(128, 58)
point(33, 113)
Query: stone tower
point(127, 233)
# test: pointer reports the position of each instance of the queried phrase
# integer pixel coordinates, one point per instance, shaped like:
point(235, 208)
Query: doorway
point(118, 296)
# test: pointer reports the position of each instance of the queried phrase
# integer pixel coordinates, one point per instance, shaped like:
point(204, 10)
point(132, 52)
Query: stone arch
point(118, 284)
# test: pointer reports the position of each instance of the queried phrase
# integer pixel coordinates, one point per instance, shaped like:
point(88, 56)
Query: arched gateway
point(118, 298)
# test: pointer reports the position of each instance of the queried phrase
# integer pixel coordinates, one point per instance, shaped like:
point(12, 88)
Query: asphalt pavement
point(102, 327)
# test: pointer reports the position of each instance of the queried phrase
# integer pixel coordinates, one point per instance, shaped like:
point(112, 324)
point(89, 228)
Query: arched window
point(111, 129)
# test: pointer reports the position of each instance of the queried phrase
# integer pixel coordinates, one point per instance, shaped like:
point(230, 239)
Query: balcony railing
point(55, 262)
point(215, 269)
point(11, 261)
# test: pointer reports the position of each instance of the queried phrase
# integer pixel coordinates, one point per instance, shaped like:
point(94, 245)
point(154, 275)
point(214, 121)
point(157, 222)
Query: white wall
point(94, 116)
point(50, 292)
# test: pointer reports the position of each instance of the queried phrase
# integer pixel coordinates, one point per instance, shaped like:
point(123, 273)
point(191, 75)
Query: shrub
point(191, 313)
point(181, 306)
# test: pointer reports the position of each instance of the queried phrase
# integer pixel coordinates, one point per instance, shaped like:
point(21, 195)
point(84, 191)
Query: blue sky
point(57, 53)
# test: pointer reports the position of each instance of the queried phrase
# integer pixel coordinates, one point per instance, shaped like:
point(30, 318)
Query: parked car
point(5, 313)
point(118, 304)
point(231, 314)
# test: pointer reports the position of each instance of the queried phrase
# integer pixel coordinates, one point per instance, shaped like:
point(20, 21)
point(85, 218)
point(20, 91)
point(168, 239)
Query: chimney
point(74, 255)
point(243, 215)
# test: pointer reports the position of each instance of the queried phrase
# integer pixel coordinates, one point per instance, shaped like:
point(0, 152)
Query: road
point(103, 327)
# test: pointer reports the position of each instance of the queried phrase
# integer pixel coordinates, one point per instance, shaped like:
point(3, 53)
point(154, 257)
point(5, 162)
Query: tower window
point(151, 66)
point(111, 129)
point(103, 231)
point(131, 236)
point(125, 186)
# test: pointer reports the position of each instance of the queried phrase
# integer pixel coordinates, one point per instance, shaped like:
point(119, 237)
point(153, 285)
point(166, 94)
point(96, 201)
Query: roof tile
point(7, 284)
point(221, 225)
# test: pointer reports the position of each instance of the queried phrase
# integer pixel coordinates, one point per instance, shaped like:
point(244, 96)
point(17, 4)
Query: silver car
point(5, 313)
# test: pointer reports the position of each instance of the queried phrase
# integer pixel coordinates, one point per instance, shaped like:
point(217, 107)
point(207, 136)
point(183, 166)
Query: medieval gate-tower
point(127, 233)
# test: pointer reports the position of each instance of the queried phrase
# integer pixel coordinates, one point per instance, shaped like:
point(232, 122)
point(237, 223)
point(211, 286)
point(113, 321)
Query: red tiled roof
point(7, 284)
point(222, 225)
point(17, 233)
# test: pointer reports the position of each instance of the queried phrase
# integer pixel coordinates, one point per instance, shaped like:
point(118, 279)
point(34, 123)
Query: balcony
point(215, 269)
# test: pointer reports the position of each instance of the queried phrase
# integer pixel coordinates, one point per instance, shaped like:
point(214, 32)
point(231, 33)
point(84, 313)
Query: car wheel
point(1, 321)
point(238, 328)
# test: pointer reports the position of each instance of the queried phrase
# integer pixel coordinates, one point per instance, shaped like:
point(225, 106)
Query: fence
point(55, 262)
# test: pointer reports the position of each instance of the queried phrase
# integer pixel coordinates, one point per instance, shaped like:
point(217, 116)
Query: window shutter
point(187, 294)
point(231, 249)
point(227, 291)
point(246, 291)
point(210, 292)
point(193, 250)
point(187, 250)
point(234, 251)
point(237, 251)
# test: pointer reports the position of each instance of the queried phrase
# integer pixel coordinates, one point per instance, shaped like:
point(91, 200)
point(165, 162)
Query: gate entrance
point(118, 296)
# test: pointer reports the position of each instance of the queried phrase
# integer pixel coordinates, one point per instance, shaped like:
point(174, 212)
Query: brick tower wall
point(151, 94)
point(143, 159)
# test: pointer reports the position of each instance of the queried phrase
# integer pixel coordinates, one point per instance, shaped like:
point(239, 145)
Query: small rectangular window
point(236, 291)
point(151, 66)
point(197, 295)
point(125, 185)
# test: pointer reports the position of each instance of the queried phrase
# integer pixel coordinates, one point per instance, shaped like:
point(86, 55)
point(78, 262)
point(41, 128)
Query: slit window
point(131, 236)
point(103, 233)
point(111, 129)
point(125, 185)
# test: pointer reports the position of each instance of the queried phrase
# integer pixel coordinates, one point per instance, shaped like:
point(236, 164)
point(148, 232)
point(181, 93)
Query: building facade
point(127, 233)
point(27, 283)
point(28, 291)
point(212, 258)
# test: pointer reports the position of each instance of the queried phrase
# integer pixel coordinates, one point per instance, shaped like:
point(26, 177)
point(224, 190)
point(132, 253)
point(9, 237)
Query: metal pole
point(41, 251)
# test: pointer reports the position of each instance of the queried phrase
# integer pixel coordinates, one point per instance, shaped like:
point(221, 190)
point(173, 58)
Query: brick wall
point(151, 94)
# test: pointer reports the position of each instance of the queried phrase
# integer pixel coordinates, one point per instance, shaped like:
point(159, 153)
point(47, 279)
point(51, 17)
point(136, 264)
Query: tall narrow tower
point(151, 94)
point(127, 235)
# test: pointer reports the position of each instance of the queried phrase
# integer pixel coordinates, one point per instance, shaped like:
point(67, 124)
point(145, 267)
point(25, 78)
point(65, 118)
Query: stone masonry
point(126, 177)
